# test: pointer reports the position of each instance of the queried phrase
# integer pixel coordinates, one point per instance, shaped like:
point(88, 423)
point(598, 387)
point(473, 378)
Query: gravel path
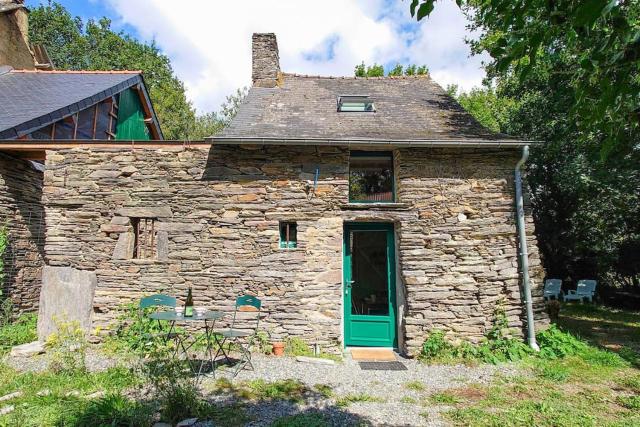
point(394, 398)
point(396, 404)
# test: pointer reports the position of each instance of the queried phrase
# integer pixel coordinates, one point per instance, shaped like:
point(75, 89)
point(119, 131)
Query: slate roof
point(30, 100)
point(304, 107)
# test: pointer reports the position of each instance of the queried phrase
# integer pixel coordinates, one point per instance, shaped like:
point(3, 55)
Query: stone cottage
point(361, 211)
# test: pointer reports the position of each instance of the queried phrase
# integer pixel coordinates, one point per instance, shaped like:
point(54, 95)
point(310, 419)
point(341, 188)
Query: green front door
point(369, 285)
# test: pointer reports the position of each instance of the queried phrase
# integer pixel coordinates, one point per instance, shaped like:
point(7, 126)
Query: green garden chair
point(157, 300)
point(586, 289)
point(552, 288)
point(243, 337)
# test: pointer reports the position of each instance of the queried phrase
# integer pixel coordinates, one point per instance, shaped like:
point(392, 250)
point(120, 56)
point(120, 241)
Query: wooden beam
point(155, 134)
point(27, 154)
point(41, 145)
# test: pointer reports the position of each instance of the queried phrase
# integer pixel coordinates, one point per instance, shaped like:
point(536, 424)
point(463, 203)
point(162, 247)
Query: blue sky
point(209, 41)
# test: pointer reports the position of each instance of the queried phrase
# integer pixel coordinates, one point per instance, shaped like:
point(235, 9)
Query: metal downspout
point(523, 253)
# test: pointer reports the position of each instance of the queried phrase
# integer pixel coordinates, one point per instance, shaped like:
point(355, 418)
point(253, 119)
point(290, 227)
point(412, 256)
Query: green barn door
point(369, 285)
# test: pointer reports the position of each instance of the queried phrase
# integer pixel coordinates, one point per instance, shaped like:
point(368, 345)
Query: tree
point(600, 39)
point(211, 123)
point(586, 210)
point(74, 45)
point(376, 70)
point(491, 110)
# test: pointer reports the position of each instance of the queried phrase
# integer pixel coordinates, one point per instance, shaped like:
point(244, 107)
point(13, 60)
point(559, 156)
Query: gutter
point(348, 142)
point(523, 253)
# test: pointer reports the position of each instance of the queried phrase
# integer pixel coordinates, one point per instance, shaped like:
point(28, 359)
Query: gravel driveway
point(397, 398)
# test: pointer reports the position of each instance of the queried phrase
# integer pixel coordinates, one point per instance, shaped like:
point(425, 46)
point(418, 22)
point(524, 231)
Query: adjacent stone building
point(361, 211)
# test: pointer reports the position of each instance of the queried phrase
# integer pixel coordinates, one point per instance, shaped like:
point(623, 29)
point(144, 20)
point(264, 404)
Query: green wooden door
point(369, 285)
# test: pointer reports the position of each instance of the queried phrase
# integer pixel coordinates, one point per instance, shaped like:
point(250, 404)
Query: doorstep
point(372, 354)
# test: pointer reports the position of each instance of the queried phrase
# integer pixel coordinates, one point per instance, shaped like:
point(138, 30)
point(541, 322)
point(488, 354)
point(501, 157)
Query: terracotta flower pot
point(278, 348)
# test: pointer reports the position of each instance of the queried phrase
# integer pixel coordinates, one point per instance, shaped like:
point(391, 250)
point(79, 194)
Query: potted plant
point(278, 348)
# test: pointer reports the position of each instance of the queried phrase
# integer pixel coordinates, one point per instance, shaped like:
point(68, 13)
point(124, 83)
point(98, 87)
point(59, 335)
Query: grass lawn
point(597, 383)
point(596, 387)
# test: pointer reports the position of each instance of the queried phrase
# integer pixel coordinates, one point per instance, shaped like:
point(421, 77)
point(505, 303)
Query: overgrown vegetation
point(572, 381)
point(67, 347)
point(20, 331)
point(498, 345)
point(136, 333)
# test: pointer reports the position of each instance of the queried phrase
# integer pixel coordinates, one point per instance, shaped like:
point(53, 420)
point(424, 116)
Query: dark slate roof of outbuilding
point(305, 107)
point(30, 100)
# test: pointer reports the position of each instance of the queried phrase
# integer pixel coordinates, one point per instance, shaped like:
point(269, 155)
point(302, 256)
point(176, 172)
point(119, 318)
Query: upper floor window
point(357, 103)
point(371, 176)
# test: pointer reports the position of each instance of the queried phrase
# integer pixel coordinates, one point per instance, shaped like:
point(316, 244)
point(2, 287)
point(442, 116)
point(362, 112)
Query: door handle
point(348, 286)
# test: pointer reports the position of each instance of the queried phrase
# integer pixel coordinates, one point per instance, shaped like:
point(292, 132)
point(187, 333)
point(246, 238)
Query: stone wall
point(216, 229)
point(21, 213)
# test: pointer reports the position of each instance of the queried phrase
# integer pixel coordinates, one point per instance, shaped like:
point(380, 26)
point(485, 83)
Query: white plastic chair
point(586, 289)
point(552, 288)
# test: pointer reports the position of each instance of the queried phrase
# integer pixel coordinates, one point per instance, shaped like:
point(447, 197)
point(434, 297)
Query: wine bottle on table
point(188, 305)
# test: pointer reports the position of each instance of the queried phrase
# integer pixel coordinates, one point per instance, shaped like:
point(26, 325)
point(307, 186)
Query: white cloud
point(209, 41)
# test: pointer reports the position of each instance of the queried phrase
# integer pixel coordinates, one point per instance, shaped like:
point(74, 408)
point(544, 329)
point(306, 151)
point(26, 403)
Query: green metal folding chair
point(157, 300)
point(242, 338)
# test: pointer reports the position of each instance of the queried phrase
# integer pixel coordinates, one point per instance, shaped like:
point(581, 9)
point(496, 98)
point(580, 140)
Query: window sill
point(375, 206)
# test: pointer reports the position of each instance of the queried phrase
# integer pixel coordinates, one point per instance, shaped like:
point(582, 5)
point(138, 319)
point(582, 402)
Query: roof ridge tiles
point(79, 71)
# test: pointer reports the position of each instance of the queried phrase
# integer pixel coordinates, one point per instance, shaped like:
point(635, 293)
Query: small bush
point(21, 331)
point(497, 346)
point(436, 347)
point(555, 343)
point(135, 332)
point(295, 346)
point(67, 347)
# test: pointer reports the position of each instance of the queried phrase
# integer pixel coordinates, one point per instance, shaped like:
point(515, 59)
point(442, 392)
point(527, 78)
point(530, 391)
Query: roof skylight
point(356, 103)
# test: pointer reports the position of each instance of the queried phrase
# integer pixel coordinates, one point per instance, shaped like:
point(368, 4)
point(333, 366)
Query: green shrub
point(135, 332)
point(555, 343)
point(436, 347)
point(295, 346)
point(21, 331)
point(497, 346)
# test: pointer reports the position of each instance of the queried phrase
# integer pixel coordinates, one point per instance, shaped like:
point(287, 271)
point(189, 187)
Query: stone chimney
point(265, 60)
point(15, 50)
